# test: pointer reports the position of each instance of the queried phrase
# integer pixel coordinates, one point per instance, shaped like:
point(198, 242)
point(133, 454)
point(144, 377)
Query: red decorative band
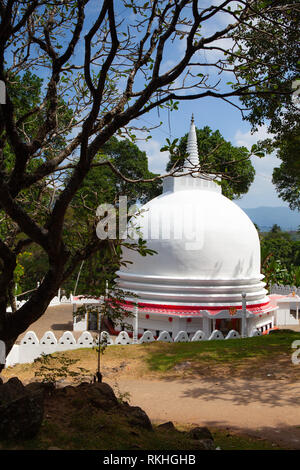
point(191, 308)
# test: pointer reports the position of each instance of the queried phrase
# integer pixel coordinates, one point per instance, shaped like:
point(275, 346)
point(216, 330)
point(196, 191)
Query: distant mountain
point(266, 217)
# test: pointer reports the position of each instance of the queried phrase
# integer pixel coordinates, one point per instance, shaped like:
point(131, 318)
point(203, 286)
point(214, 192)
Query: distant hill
point(266, 217)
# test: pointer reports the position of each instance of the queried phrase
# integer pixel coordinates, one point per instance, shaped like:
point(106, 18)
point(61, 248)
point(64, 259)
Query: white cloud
point(157, 160)
point(247, 139)
point(262, 191)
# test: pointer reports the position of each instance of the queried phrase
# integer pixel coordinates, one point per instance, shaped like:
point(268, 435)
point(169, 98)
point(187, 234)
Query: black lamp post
point(98, 376)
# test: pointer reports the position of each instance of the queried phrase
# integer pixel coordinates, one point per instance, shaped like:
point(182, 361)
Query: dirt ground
point(58, 319)
point(264, 403)
point(253, 407)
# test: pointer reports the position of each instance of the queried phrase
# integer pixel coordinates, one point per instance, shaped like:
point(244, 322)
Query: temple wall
point(284, 315)
point(31, 347)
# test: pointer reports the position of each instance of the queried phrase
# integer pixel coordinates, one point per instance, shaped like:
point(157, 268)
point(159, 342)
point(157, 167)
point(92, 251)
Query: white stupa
point(208, 255)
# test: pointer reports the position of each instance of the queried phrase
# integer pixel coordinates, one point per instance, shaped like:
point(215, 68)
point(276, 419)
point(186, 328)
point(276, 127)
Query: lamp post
point(98, 373)
point(136, 324)
point(78, 276)
point(98, 376)
point(244, 313)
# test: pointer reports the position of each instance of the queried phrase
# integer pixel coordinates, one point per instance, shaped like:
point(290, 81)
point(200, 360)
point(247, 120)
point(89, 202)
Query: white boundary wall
point(58, 300)
point(31, 347)
point(284, 290)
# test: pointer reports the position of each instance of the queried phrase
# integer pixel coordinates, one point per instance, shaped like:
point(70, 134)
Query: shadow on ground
point(287, 437)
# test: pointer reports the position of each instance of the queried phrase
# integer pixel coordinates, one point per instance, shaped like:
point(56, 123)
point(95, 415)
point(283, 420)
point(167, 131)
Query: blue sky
point(227, 119)
point(214, 113)
point(211, 112)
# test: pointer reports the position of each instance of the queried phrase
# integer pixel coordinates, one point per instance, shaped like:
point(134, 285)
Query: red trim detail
point(191, 311)
point(170, 319)
point(266, 332)
point(191, 308)
point(147, 316)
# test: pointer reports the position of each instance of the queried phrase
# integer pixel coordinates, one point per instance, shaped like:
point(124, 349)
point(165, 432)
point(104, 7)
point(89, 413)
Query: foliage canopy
point(103, 67)
point(219, 157)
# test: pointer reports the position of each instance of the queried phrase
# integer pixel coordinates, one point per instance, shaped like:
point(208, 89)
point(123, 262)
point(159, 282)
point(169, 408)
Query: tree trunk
point(8, 346)
point(12, 299)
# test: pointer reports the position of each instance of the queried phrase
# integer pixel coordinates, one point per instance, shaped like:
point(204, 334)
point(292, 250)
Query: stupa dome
point(208, 250)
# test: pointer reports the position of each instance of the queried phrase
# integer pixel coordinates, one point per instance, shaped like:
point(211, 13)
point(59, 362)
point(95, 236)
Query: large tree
point(280, 257)
point(218, 156)
point(110, 63)
point(287, 176)
point(102, 185)
point(282, 112)
point(277, 59)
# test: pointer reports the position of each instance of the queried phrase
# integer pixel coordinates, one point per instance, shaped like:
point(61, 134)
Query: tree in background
point(287, 177)
point(275, 229)
point(282, 113)
point(280, 257)
point(102, 185)
point(109, 68)
point(25, 91)
point(218, 157)
point(259, 46)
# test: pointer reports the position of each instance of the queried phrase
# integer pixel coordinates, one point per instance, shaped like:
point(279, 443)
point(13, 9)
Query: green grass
point(112, 433)
point(227, 440)
point(102, 433)
point(164, 356)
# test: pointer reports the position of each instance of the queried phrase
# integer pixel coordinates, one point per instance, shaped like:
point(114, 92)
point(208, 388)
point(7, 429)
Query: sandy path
point(268, 409)
point(58, 318)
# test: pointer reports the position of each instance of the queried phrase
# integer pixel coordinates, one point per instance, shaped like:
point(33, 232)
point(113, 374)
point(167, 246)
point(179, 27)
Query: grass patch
point(228, 440)
point(164, 356)
point(101, 432)
point(114, 433)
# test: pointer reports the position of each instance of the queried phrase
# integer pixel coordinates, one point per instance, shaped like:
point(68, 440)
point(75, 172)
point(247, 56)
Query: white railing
point(30, 347)
point(58, 300)
point(284, 290)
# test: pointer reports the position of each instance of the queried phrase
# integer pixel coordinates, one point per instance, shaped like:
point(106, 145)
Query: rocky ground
point(87, 416)
point(257, 396)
